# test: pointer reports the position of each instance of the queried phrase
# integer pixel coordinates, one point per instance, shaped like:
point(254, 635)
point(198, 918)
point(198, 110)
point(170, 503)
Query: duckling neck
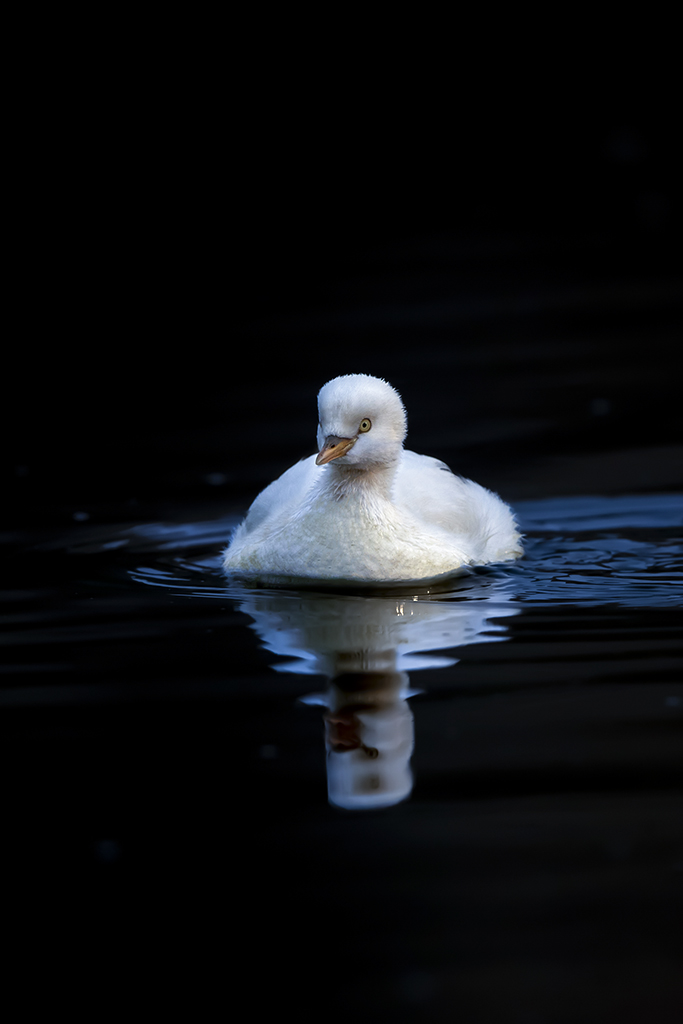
point(365, 484)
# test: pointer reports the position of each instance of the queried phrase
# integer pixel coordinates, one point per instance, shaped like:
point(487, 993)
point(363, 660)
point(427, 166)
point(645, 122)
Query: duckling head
point(362, 422)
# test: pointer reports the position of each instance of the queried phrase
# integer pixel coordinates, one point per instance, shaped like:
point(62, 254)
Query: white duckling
point(364, 509)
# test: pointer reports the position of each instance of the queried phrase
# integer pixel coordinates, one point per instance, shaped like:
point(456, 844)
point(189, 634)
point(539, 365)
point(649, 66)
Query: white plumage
point(365, 509)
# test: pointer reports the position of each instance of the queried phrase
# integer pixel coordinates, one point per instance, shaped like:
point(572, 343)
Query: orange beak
point(333, 448)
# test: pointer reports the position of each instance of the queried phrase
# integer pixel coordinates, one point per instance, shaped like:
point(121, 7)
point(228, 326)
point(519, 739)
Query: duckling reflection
point(369, 736)
point(369, 733)
point(365, 646)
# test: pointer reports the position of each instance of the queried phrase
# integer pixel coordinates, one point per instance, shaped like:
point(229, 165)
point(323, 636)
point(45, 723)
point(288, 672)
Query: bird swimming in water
point(366, 510)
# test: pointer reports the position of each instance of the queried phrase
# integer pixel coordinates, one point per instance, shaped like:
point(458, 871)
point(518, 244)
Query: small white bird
point(365, 509)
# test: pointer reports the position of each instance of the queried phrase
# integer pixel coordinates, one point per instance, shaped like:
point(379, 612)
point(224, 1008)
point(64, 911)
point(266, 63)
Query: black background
point(194, 261)
point(204, 238)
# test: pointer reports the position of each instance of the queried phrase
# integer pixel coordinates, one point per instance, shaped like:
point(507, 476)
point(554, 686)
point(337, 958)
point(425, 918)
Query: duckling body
point(364, 509)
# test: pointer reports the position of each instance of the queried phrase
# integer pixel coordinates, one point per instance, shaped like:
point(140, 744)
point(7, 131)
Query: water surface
point(488, 772)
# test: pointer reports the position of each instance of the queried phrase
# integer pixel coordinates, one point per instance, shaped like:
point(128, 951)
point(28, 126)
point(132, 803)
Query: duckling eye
point(364, 426)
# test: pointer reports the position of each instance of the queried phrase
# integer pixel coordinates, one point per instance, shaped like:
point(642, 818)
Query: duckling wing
point(436, 497)
point(283, 495)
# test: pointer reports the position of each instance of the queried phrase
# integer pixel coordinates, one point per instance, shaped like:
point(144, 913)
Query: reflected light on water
point(589, 552)
point(364, 646)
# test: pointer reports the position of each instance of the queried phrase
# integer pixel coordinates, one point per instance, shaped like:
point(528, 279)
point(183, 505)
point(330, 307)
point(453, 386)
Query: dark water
point(413, 790)
point(462, 804)
point(452, 803)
